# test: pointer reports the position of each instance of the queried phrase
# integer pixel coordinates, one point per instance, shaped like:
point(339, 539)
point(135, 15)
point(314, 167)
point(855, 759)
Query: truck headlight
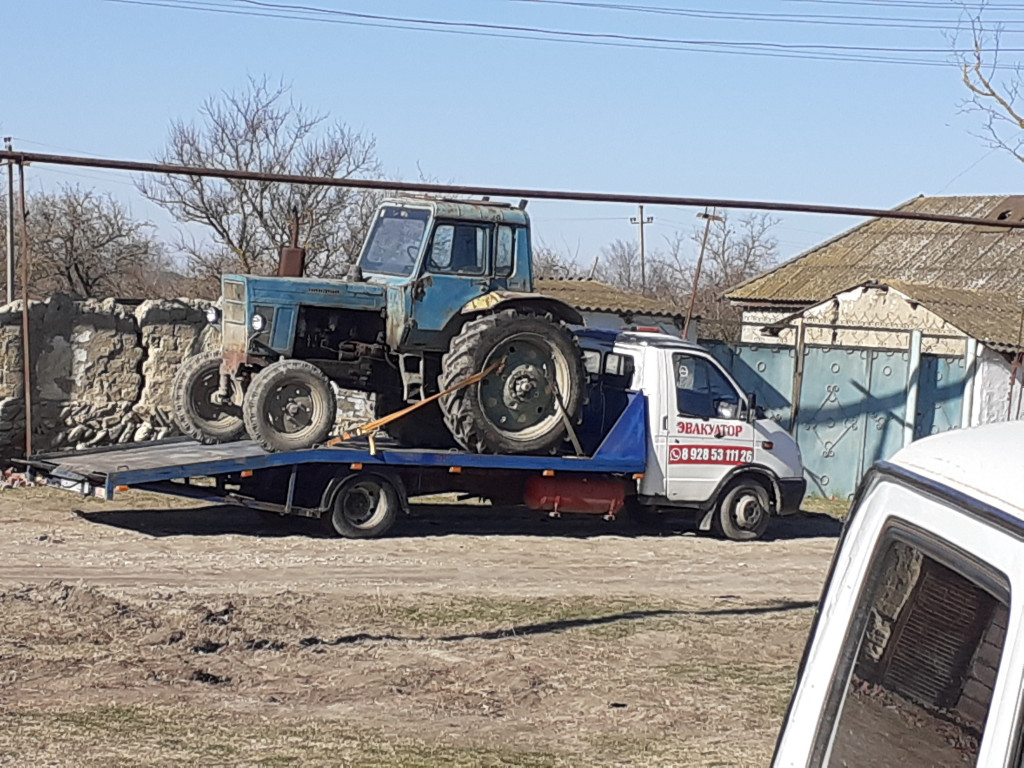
point(212, 315)
point(258, 322)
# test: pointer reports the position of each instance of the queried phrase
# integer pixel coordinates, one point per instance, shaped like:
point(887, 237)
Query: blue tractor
point(442, 291)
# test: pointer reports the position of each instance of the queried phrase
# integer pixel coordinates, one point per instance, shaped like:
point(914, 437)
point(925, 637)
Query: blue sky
point(106, 78)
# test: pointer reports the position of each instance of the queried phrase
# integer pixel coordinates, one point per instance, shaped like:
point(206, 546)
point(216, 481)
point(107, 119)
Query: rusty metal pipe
point(538, 194)
point(26, 358)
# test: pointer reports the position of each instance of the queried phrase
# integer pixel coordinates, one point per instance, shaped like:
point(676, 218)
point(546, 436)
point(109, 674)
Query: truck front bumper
point(792, 492)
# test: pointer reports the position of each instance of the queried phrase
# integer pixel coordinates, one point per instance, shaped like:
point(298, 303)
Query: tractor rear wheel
point(195, 412)
point(289, 406)
point(517, 408)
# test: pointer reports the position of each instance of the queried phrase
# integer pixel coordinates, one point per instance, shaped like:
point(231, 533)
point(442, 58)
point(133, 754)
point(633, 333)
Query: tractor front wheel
point(521, 406)
point(289, 405)
point(196, 410)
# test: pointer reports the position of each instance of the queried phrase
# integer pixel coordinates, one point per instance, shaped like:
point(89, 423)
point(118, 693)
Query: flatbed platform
point(171, 466)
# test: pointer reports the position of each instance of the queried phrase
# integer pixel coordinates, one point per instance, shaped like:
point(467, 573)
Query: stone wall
point(102, 371)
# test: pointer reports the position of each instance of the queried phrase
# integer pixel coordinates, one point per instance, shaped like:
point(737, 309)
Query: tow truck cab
point(707, 450)
point(916, 655)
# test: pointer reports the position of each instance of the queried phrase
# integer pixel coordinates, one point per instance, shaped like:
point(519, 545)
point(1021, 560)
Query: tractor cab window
point(503, 252)
point(701, 390)
point(395, 241)
point(458, 249)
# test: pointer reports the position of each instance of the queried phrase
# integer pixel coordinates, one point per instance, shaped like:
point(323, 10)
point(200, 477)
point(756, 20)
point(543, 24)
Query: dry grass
point(293, 679)
point(837, 508)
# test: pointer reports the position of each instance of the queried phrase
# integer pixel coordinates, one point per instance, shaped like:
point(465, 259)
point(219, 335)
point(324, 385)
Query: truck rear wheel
point(744, 512)
point(518, 408)
point(195, 412)
point(365, 507)
point(289, 406)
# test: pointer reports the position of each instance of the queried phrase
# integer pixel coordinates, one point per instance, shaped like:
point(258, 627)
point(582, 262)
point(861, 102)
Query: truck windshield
point(395, 241)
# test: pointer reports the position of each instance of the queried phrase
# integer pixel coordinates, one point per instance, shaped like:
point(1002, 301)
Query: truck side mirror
point(726, 410)
point(753, 410)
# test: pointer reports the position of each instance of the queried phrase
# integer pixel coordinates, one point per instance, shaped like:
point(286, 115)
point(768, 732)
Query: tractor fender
point(538, 302)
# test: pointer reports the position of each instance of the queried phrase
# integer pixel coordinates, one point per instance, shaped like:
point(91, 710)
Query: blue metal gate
point(940, 396)
point(852, 413)
point(853, 403)
point(765, 370)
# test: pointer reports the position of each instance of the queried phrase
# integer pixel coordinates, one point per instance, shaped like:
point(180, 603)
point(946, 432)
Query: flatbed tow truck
point(665, 426)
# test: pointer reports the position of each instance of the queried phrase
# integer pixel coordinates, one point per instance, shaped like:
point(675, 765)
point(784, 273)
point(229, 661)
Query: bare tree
point(737, 249)
point(260, 128)
point(551, 263)
point(994, 88)
point(87, 245)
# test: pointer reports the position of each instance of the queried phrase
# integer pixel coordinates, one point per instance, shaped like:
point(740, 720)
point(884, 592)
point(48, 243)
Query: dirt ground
point(148, 631)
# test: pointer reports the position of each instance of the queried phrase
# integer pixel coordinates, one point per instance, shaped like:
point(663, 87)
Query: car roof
point(983, 462)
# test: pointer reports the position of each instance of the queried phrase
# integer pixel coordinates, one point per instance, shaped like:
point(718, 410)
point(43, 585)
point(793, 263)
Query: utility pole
point(642, 222)
point(708, 218)
point(10, 222)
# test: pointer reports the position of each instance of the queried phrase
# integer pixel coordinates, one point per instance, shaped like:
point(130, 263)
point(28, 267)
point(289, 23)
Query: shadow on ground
point(434, 520)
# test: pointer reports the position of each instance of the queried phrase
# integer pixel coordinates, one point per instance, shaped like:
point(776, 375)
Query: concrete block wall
point(102, 371)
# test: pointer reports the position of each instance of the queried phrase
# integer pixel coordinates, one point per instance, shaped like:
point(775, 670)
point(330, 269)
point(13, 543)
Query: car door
point(709, 434)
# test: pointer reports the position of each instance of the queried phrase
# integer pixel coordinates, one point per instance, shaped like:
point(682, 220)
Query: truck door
point(706, 435)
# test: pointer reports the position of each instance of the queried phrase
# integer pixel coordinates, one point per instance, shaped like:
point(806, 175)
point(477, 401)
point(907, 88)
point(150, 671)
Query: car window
point(700, 387)
point(591, 361)
point(920, 667)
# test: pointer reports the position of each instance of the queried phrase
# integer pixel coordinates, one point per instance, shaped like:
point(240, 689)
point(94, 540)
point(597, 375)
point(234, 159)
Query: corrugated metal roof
point(594, 296)
point(943, 255)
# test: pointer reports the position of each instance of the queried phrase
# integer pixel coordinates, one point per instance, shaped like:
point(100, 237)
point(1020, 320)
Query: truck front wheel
point(517, 408)
point(289, 406)
point(195, 411)
point(744, 512)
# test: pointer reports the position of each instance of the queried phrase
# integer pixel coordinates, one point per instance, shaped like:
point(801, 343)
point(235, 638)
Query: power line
point(839, 53)
point(888, 22)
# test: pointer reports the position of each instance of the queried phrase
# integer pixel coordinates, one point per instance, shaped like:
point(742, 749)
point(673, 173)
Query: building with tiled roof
point(959, 287)
point(606, 306)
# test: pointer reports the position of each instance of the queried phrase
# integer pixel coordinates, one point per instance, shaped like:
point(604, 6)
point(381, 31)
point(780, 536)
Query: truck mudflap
point(791, 495)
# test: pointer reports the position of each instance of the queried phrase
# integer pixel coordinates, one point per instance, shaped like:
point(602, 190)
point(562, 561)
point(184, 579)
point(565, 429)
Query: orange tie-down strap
point(371, 427)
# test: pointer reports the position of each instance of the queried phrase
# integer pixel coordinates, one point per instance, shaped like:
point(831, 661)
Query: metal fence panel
point(940, 396)
point(765, 370)
point(853, 403)
point(831, 419)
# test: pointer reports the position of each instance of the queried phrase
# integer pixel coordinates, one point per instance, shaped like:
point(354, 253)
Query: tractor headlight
point(212, 315)
point(258, 322)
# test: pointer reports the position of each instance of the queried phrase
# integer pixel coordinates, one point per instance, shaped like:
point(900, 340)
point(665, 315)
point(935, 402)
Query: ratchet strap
point(370, 428)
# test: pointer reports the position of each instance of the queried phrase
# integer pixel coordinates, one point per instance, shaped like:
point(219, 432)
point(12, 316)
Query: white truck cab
point(707, 450)
point(916, 656)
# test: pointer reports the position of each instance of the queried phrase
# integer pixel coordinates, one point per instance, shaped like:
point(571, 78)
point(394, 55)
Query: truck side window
point(700, 387)
point(921, 663)
point(503, 252)
point(458, 249)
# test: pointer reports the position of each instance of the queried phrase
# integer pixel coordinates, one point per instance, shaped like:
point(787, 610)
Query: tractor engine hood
point(306, 290)
point(260, 313)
